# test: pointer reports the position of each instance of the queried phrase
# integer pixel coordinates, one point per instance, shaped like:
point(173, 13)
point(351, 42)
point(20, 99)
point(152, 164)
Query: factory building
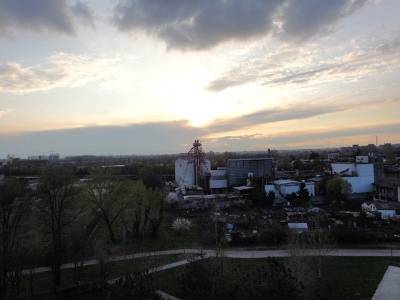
point(218, 180)
point(185, 171)
point(360, 175)
point(193, 170)
point(239, 170)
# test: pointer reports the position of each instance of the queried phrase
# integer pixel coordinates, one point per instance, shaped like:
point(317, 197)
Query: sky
point(117, 77)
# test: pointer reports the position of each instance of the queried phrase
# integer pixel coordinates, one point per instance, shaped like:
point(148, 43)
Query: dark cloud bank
point(186, 24)
point(202, 24)
point(173, 137)
point(50, 15)
point(159, 138)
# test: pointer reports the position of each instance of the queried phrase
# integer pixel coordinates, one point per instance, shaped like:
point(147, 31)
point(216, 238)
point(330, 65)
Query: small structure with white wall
point(298, 227)
point(388, 210)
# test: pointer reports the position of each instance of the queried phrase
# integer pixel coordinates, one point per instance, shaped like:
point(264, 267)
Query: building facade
point(185, 171)
point(238, 170)
point(361, 176)
point(218, 180)
point(387, 189)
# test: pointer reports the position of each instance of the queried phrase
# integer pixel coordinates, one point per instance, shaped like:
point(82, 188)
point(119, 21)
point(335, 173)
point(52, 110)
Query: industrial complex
point(196, 180)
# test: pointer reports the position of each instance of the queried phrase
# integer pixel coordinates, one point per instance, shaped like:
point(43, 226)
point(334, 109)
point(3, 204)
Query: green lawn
point(354, 277)
point(343, 278)
point(43, 282)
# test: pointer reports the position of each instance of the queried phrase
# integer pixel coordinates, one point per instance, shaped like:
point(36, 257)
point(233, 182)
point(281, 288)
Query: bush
point(207, 280)
point(239, 239)
point(275, 236)
point(181, 225)
point(346, 235)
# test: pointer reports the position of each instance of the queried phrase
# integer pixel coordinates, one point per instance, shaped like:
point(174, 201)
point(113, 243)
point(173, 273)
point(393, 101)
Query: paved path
point(389, 287)
point(332, 252)
point(166, 267)
point(231, 254)
point(166, 296)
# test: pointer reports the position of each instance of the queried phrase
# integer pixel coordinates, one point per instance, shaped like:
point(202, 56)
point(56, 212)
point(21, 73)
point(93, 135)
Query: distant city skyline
point(116, 77)
point(218, 148)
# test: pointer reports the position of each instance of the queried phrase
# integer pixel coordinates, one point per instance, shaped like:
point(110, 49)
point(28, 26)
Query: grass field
point(91, 274)
point(352, 278)
point(342, 277)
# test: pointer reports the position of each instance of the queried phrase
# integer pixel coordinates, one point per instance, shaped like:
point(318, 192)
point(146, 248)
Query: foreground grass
point(342, 277)
point(42, 282)
point(353, 278)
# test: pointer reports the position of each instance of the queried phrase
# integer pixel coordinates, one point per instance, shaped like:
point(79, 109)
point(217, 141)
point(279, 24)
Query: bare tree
point(79, 242)
point(13, 207)
point(298, 261)
point(108, 197)
point(157, 211)
point(321, 244)
point(134, 215)
point(307, 256)
point(33, 251)
point(145, 211)
point(102, 253)
point(56, 195)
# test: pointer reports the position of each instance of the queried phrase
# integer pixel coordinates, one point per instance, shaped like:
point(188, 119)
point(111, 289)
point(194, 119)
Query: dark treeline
point(65, 219)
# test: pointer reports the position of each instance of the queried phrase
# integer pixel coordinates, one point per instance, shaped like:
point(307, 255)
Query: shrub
point(181, 225)
point(275, 235)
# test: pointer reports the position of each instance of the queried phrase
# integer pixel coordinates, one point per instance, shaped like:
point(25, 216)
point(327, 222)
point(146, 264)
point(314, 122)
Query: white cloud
point(4, 112)
point(60, 70)
point(296, 111)
point(313, 64)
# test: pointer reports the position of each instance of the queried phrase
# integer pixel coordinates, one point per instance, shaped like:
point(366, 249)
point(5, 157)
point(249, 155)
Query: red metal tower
point(196, 155)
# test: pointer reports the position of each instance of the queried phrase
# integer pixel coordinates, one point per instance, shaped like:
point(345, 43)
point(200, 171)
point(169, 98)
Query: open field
point(352, 278)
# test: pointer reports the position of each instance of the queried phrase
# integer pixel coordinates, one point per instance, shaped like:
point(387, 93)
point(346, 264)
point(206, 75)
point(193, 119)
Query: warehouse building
point(239, 170)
